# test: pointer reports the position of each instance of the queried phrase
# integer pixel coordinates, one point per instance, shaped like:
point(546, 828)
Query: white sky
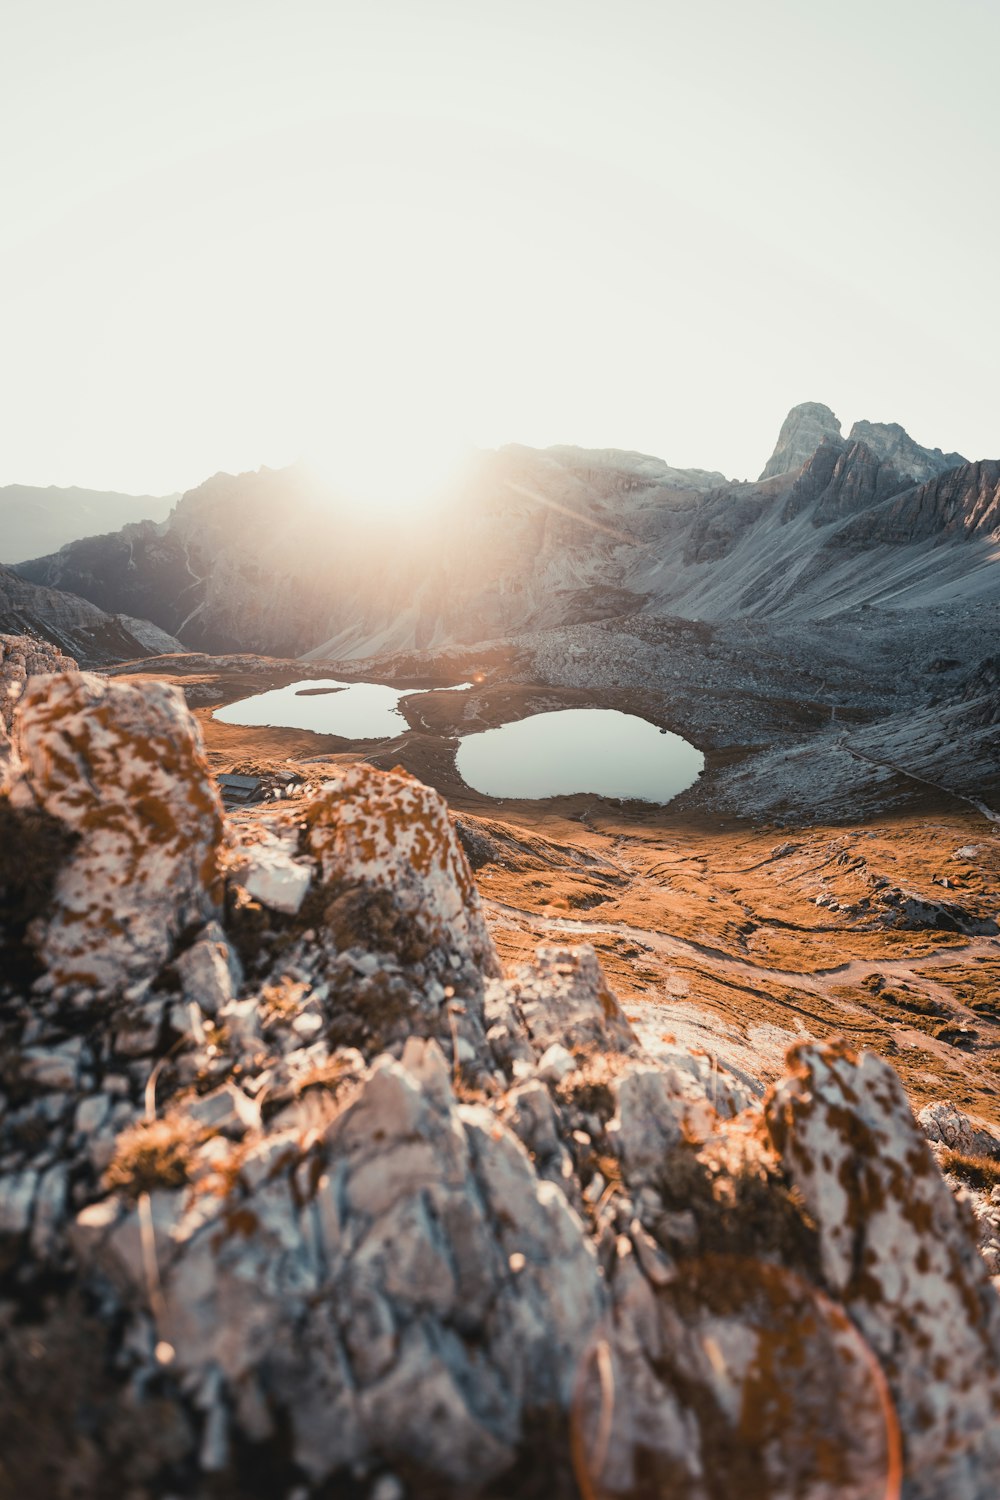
point(238, 231)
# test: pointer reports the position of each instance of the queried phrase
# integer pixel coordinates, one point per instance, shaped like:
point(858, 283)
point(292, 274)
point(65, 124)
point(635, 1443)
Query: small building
point(239, 791)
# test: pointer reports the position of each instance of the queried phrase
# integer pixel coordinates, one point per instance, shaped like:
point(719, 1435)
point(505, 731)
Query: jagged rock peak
point(890, 441)
point(802, 431)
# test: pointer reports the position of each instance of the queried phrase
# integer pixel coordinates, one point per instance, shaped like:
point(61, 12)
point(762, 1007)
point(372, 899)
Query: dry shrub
point(979, 1172)
point(155, 1154)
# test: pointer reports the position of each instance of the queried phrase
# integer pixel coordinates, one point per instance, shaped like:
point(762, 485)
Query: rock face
point(121, 768)
point(837, 482)
point(73, 625)
point(525, 541)
point(897, 1250)
point(962, 503)
point(21, 657)
point(388, 831)
point(893, 444)
point(981, 691)
point(312, 1200)
point(806, 426)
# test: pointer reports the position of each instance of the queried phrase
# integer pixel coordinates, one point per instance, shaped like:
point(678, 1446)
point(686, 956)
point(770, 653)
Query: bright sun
point(392, 472)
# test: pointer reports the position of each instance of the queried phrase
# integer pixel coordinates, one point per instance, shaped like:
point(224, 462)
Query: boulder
point(120, 766)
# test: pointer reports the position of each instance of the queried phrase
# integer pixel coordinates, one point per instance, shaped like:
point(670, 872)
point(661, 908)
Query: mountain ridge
point(35, 520)
point(529, 539)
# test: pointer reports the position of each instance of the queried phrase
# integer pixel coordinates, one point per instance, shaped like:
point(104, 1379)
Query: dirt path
point(818, 980)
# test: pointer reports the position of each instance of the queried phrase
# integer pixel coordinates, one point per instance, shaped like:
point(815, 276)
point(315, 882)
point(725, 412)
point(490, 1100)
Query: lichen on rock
point(388, 831)
point(900, 1254)
point(121, 767)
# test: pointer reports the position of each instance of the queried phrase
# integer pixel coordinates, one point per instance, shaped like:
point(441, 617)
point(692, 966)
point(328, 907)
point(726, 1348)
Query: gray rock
point(17, 1195)
point(209, 972)
point(802, 431)
point(900, 1255)
point(943, 1122)
point(53, 1067)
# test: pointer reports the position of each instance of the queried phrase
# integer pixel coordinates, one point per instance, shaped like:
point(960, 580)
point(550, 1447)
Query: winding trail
point(890, 765)
point(818, 981)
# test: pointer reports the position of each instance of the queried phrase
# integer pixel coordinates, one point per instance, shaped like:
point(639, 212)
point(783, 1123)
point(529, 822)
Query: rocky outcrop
point(121, 769)
point(390, 833)
point(893, 444)
point(896, 1250)
point(299, 1195)
point(811, 424)
point(961, 503)
point(981, 692)
point(838, 482)
point(803, 430)
point(21, 657)
point(71, 624)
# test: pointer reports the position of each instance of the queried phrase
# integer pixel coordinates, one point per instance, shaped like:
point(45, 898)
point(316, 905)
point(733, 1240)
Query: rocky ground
point(318, 1177)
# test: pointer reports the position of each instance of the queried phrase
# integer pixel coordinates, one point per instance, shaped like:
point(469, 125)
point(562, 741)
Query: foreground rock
point(21, 657)
point(307, 1199)
point(123, 772)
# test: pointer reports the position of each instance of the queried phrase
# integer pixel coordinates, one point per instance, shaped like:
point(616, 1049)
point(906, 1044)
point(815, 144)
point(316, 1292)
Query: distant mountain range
point(34, 520)
point(526, 540)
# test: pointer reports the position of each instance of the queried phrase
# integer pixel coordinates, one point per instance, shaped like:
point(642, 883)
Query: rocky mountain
point(811, 424)
point(526, 540)
point(34, 520)
point(301, 1195)
point(963, 502)
point(75, 625)
point(803, 430)
point(890, 442)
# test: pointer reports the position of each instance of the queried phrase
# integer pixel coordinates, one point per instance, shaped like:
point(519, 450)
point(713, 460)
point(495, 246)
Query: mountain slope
point(526, 540)
point(74, 625)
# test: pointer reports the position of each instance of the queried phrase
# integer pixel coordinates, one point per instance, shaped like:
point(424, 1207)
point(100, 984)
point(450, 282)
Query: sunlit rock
point(901, 1256)
point(387, 831)
point(21, 657)
point(121, 767)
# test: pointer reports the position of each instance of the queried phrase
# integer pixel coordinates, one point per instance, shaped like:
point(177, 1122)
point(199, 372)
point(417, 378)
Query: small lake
point(353, 710)
point(572, 750)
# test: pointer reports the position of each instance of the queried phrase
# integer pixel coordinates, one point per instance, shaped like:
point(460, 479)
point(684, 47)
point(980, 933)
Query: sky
point(372, 234)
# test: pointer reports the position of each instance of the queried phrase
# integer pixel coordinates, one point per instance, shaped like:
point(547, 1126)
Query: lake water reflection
point(353, 710)
point(597, 750)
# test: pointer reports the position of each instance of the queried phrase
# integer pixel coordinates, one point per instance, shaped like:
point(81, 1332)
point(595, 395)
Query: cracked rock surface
point(309, 1199)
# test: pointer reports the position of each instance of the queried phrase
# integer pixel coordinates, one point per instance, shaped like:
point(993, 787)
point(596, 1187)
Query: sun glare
point(392, 473)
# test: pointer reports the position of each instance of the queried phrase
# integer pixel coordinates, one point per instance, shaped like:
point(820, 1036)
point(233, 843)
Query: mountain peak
point(890, 441)
point(802, 431)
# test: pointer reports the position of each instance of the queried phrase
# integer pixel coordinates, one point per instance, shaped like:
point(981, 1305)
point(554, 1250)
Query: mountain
point(890, 441)
point(275, 561)
point(75, 625)
point(34, 520)
point(811, 424)
point(802, 431)
point(528, 540)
